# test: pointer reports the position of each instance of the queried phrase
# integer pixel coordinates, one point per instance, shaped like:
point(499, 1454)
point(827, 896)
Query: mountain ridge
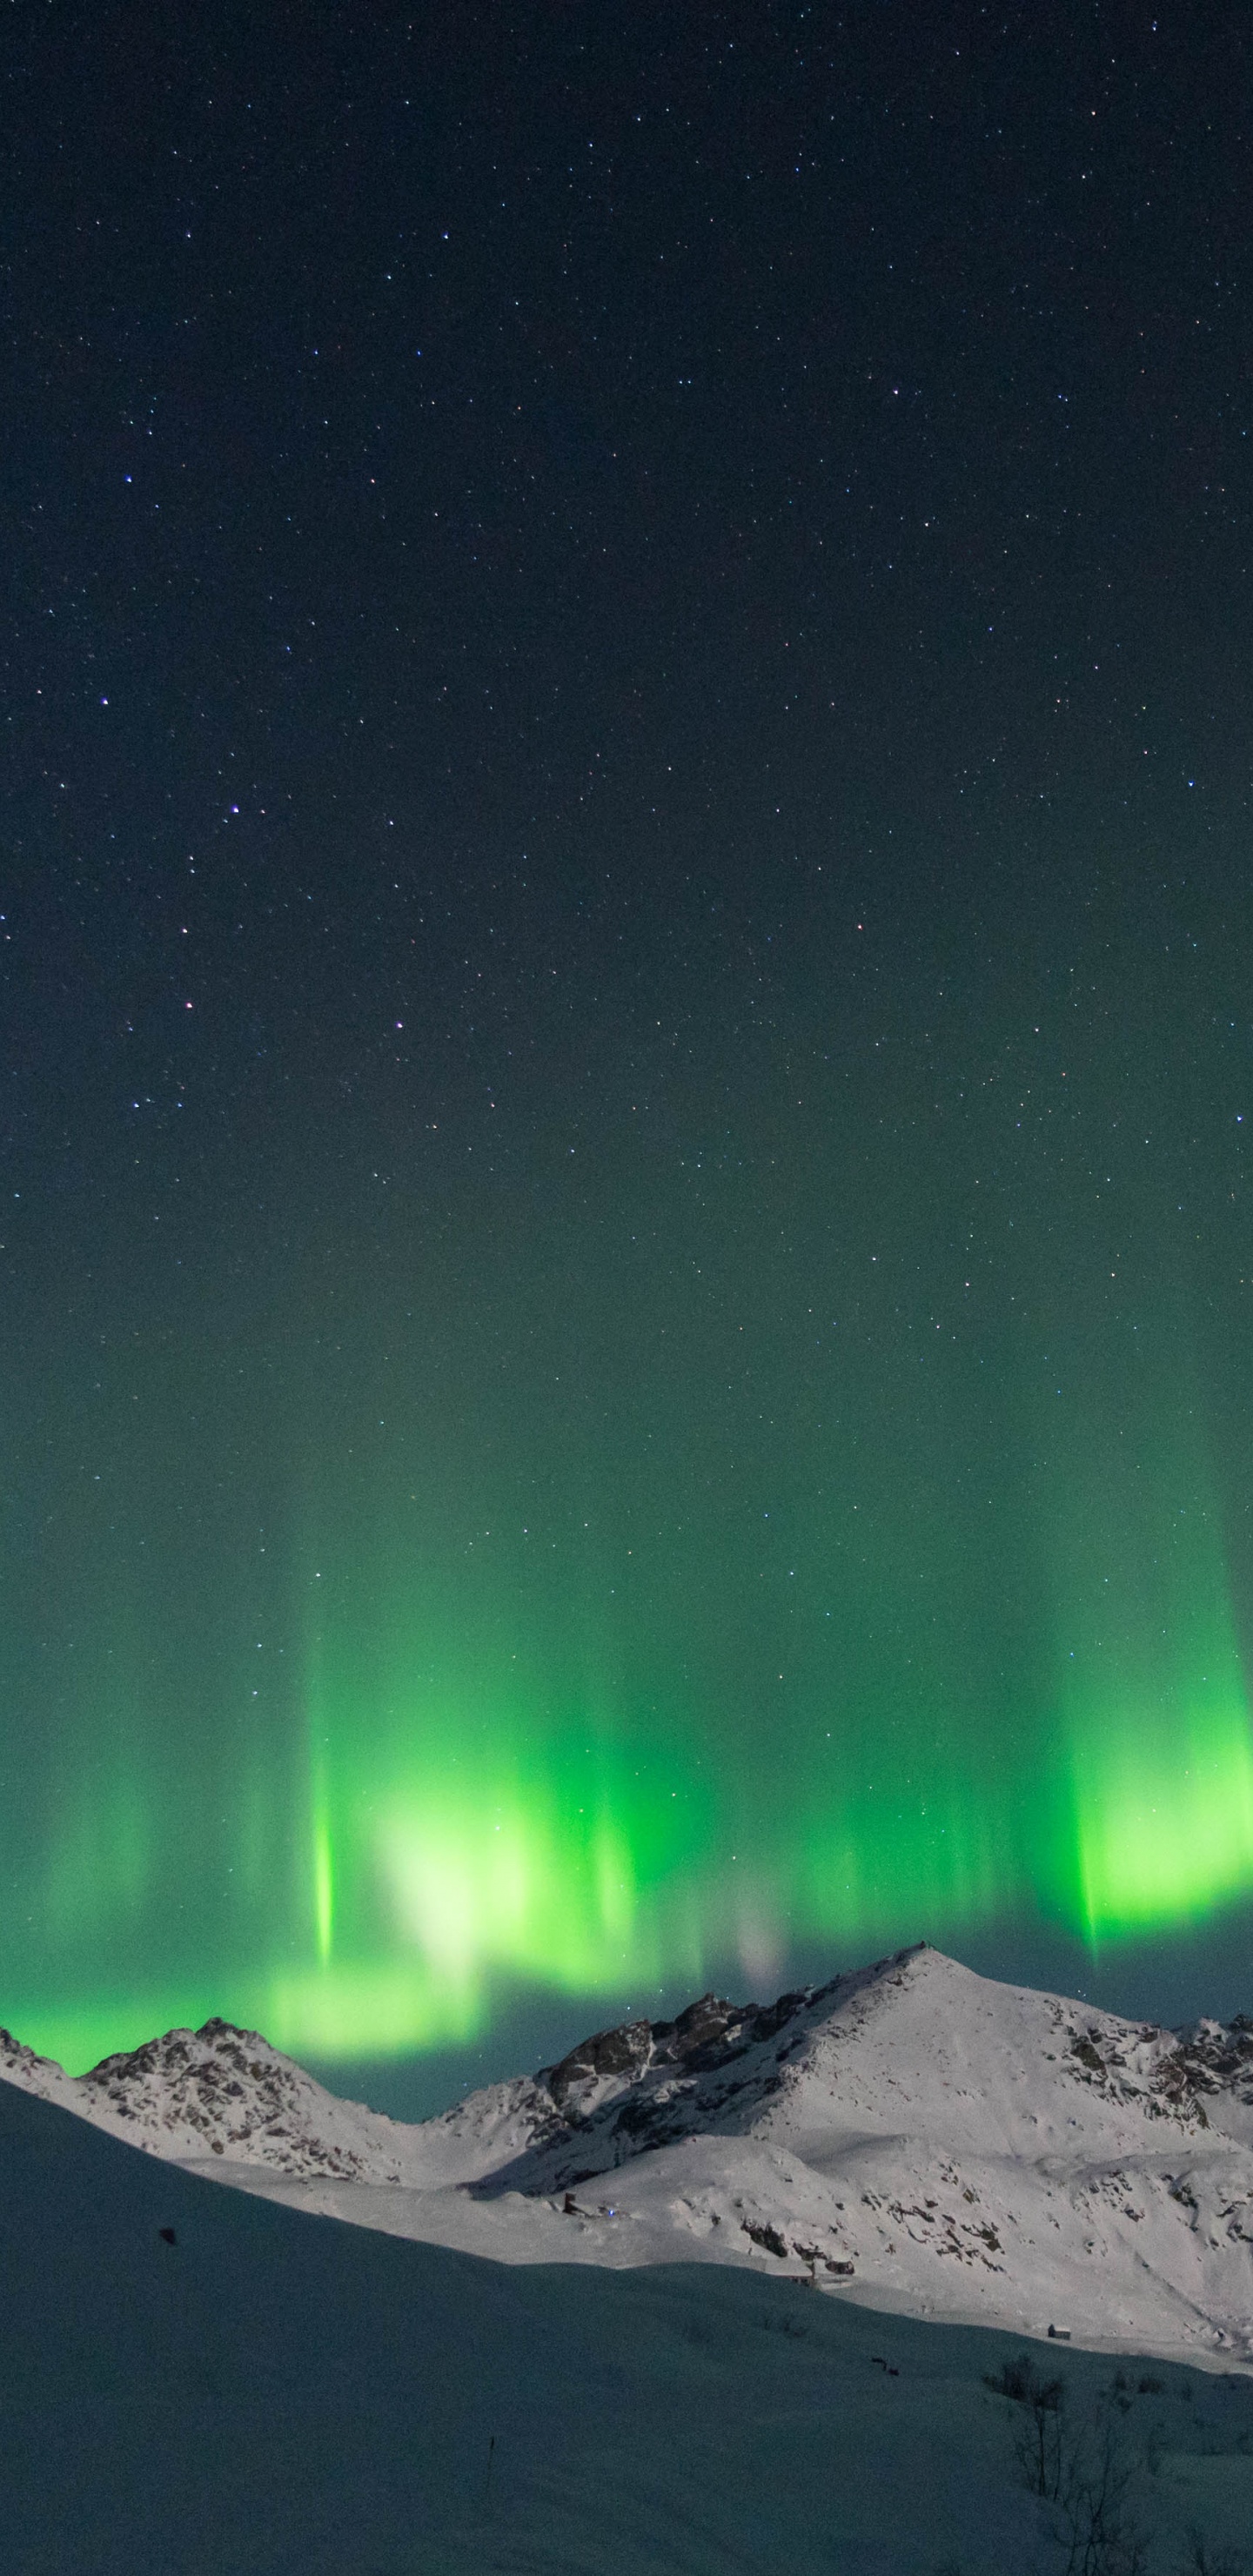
point(908, 2133)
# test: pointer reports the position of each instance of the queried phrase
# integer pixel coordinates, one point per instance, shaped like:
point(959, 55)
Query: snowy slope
point(912, 2135)
point(217, 2091)
point(196, 2382)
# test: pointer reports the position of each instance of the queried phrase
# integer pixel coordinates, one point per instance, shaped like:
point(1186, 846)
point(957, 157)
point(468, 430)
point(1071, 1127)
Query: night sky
point(625, 1013)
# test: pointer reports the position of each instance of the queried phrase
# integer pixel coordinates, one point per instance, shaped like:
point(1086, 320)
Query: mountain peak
point(706, 2035)
point(217, 2091)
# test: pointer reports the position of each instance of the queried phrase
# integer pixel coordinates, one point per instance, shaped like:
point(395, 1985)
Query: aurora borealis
point(627, 1036)
point(597, 1621)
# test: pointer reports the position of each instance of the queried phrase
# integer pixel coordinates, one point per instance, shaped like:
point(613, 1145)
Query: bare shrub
point(1037, 2436)
point(1096, 2465)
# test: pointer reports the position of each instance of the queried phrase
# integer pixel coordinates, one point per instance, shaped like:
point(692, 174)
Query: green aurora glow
point(446, 1808)
point(664, 1570)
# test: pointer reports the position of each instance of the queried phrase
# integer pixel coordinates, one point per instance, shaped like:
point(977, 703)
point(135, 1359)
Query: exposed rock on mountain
point(222, 2092)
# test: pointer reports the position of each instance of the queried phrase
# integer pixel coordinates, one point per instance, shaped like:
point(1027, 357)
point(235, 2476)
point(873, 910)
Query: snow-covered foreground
point(913, 2136)
point(197, 2382)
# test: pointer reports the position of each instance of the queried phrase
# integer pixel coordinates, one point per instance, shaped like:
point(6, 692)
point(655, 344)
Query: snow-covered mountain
point(912, 2135)
point(222, 2092)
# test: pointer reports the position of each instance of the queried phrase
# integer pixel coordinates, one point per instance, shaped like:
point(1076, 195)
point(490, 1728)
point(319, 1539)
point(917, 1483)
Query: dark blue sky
point(626, 910)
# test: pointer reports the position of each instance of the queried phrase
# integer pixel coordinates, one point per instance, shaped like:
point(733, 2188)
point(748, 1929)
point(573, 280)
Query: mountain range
point(910, 2136)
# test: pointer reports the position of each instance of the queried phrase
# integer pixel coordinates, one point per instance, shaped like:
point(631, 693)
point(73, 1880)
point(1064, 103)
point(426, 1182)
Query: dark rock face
point(1087, 2051)
point(1211, 2058)
point(709, 2034)
point(1217, 2056)
point(608, 2052)
point(649, 2084)
point(770, 2239)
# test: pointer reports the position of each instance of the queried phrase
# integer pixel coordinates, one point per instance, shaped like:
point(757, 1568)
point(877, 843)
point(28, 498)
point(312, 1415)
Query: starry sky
point(624, 1014)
